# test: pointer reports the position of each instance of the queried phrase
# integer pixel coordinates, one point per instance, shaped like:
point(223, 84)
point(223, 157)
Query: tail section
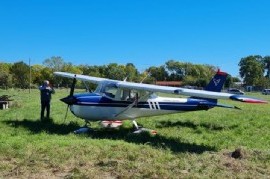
point(217, 82)
point(216, 85)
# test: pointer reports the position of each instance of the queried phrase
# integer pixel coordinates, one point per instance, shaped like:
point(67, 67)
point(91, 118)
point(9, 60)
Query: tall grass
point(195, 144)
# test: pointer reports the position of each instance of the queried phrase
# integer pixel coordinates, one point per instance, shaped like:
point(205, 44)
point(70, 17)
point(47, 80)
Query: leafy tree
point(115, 71)
point(175, 69)
point(145, 77)
point(5, 76)
point(36, 74)
point(251, 69)
point(131, 72)
point(207, 71)
point(92, 70)
point(55, 63)
point(188, 72)
point(5, 67)
point(158, 73)
point(5, 80)
point(68, 67)
point(228, 82)
point(189, 80)
point(46, 74)
point(235, 79)
point(263, 83)
point(20, 73)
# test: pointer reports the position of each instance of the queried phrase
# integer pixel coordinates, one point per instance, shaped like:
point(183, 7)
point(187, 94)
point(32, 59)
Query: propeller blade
point(72, 86)
point(70, 98)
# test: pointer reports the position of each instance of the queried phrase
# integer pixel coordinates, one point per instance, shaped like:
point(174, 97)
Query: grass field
point(189, 145)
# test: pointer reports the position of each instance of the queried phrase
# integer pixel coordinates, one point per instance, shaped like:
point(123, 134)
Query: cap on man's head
point(46, 82)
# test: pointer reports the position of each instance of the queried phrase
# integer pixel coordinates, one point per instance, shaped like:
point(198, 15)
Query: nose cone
point(70, 100)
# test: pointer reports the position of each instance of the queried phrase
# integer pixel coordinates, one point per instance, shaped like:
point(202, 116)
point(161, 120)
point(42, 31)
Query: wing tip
point(247, 99)
point(255, 101)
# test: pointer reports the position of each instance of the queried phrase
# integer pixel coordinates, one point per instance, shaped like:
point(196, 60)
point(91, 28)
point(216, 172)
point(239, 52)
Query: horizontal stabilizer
point(227, 106)
point(246, 99)
point(211, 105)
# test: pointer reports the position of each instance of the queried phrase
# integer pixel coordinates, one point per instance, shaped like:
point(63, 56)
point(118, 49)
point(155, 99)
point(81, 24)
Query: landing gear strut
point(139, 129)
point(135, 125)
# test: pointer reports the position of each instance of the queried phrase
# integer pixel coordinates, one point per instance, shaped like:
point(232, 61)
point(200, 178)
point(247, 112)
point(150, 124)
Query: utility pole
point(29, 75)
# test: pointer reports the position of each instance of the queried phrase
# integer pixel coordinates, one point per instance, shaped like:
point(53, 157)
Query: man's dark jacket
point(45, 93)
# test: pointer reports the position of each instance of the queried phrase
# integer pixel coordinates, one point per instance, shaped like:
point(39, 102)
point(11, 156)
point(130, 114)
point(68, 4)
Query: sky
point(143, 32)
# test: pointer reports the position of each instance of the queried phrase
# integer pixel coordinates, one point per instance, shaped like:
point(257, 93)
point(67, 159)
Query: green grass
point(188, 145)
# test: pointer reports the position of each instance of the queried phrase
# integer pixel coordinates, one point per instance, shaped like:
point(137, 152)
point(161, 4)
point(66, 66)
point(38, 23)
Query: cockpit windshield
point(108, 89)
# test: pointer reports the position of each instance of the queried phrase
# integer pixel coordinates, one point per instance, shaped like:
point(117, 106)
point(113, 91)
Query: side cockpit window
point(128, 95)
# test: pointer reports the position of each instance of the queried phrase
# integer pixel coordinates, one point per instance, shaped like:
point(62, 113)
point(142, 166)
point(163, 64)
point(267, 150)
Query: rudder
point(217, 82)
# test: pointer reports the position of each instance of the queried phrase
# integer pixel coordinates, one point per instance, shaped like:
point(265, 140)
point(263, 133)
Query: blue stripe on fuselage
point(92, 99)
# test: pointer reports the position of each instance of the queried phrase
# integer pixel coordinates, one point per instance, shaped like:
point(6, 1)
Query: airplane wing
point(92, 79)
point(164, 89)
point(172, 90)
point(188, 92)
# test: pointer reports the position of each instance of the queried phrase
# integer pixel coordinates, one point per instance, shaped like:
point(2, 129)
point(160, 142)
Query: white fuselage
point(152, 107)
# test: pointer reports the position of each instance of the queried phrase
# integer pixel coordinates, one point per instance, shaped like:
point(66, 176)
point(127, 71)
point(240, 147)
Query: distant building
point(249, 88)
point(238, 84)
point(169, 83)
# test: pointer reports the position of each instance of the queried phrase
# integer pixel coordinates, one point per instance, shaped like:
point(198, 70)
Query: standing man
point(45, 98)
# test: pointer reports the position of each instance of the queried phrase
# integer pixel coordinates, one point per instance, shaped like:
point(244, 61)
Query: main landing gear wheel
point(139, 129)
point(84, 129)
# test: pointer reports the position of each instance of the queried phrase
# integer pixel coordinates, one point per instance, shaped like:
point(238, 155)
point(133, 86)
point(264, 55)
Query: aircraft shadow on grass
point(39, 126)
point(156, 141)
point(189, 124)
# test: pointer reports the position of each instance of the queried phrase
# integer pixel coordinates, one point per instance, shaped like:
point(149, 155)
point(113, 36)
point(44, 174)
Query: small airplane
point(114, 101)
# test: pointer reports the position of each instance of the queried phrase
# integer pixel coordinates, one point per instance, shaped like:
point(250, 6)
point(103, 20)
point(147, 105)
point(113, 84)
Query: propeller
point(72, 86)
point(69, 100)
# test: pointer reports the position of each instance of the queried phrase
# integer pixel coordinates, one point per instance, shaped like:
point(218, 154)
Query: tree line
point(255, 70)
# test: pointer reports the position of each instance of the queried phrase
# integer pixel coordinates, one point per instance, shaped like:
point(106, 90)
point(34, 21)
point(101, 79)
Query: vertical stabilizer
point(217, 82)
